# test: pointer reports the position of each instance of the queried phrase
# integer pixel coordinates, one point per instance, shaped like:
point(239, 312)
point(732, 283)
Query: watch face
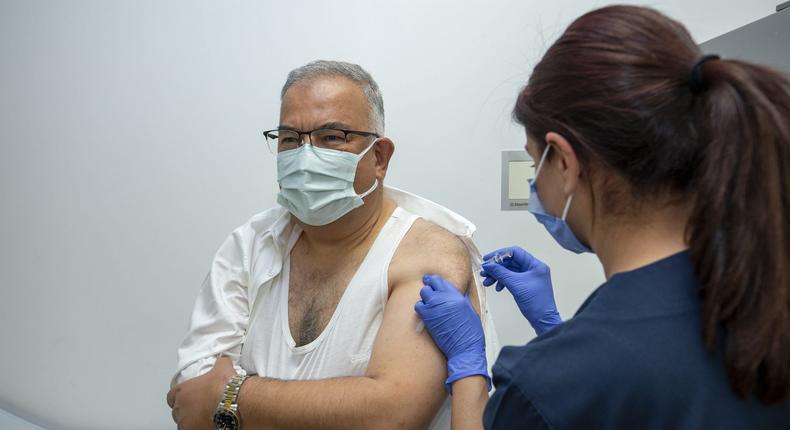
point(226, 420)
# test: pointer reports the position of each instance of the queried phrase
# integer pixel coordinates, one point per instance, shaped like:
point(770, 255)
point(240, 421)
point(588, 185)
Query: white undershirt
point(344, 346)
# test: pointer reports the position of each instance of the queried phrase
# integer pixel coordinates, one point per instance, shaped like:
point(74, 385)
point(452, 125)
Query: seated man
point(316, 297)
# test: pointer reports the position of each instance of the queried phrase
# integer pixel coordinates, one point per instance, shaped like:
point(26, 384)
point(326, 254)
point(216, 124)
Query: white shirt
point(344, 346)
point(252, 257)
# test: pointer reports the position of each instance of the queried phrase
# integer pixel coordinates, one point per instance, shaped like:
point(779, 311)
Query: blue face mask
point(557, 227)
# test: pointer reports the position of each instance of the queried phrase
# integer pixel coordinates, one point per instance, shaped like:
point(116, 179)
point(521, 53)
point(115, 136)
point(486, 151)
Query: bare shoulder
point(430, 249)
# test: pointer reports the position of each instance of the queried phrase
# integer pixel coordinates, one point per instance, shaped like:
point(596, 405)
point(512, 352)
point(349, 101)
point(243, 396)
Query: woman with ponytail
point(673, 167)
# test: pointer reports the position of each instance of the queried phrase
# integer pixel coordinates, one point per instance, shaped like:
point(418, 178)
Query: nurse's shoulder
point(631, 358)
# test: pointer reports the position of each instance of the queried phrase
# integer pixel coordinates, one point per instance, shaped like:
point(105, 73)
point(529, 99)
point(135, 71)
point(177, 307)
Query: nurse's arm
point(404, 384)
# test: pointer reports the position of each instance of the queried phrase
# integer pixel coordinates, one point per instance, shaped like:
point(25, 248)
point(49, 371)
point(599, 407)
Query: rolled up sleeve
point(221, 314)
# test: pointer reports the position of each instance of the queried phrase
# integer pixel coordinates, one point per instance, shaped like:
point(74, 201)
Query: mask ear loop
point(322, 152)
point(363, 153)
point(366, 193)
point(375, 182)
point(537, 172)
point(567, 207)
point(540, 163)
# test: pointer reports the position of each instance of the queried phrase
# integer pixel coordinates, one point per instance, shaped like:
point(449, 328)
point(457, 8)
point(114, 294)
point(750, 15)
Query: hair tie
point(696, 83)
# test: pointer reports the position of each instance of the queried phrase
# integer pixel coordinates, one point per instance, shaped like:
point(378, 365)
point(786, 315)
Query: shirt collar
point(431, 211)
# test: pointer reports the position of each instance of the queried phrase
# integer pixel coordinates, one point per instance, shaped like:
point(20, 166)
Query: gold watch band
point(232, 390)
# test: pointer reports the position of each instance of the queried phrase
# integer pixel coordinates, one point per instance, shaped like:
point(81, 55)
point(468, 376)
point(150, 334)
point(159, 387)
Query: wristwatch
point(226, 417)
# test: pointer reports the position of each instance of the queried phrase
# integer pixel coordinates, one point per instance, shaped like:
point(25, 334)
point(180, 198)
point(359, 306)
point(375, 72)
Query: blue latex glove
point(529, 280)
point(455, 327)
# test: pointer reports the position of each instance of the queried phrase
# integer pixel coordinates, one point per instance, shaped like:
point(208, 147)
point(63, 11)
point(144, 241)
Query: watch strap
point(231, 395)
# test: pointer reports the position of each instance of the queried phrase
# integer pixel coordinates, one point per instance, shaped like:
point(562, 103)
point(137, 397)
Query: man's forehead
point(325, 89)
point(330, 100)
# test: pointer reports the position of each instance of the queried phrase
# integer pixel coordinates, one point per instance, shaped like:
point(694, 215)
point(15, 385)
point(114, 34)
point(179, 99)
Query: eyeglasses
point(280, 140)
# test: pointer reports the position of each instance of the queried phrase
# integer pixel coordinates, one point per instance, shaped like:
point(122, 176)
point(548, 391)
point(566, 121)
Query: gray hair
point(349, 71)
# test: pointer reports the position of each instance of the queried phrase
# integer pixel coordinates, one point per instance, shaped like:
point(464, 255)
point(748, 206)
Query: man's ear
point(383, 150)
point(566, 161)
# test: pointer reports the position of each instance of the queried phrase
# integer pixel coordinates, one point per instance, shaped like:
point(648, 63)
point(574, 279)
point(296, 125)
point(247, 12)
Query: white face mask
point(317, 184)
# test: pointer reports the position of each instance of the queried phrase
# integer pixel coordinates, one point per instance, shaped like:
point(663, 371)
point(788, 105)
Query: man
point(316, 297)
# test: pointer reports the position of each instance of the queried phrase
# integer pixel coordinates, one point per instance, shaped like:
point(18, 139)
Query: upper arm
point(220, 314)
point(402, 356)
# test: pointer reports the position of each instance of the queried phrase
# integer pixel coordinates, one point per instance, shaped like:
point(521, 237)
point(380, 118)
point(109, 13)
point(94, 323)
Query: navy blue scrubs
point(631, 358)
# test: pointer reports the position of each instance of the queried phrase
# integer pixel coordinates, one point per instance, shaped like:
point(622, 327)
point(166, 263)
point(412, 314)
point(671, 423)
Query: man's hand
point(194, 401)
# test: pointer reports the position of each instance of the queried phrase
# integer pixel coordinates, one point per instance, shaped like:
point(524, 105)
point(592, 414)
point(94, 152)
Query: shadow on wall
point(9, 421)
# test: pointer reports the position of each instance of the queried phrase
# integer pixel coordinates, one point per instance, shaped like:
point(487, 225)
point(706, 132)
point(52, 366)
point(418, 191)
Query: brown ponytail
point(618, 85)
point(739, 232)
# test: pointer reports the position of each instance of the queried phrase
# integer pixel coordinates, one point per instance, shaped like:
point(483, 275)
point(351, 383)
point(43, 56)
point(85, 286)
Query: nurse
point(673, 167)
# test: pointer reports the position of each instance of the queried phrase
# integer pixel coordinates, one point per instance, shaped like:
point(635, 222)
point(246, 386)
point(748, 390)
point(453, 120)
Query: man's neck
point(624, 245)
point(354, 230)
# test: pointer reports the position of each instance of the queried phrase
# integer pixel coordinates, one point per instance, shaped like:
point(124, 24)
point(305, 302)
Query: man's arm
point(221, 312)
point(404, 384)
point(470, 396)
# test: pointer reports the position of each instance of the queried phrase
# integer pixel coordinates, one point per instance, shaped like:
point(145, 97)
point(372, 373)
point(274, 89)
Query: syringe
point(499, 257)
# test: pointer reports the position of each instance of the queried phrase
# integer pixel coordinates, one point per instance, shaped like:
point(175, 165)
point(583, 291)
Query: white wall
point(130, 146)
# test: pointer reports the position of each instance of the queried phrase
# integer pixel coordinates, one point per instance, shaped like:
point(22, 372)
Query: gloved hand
point(455, 327)
point(529, 280)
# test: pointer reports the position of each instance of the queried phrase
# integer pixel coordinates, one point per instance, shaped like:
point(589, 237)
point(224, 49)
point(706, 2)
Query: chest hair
point(314, 291)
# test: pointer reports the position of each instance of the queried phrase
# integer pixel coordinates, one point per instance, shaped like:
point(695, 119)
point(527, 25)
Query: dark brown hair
point(617, 85)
